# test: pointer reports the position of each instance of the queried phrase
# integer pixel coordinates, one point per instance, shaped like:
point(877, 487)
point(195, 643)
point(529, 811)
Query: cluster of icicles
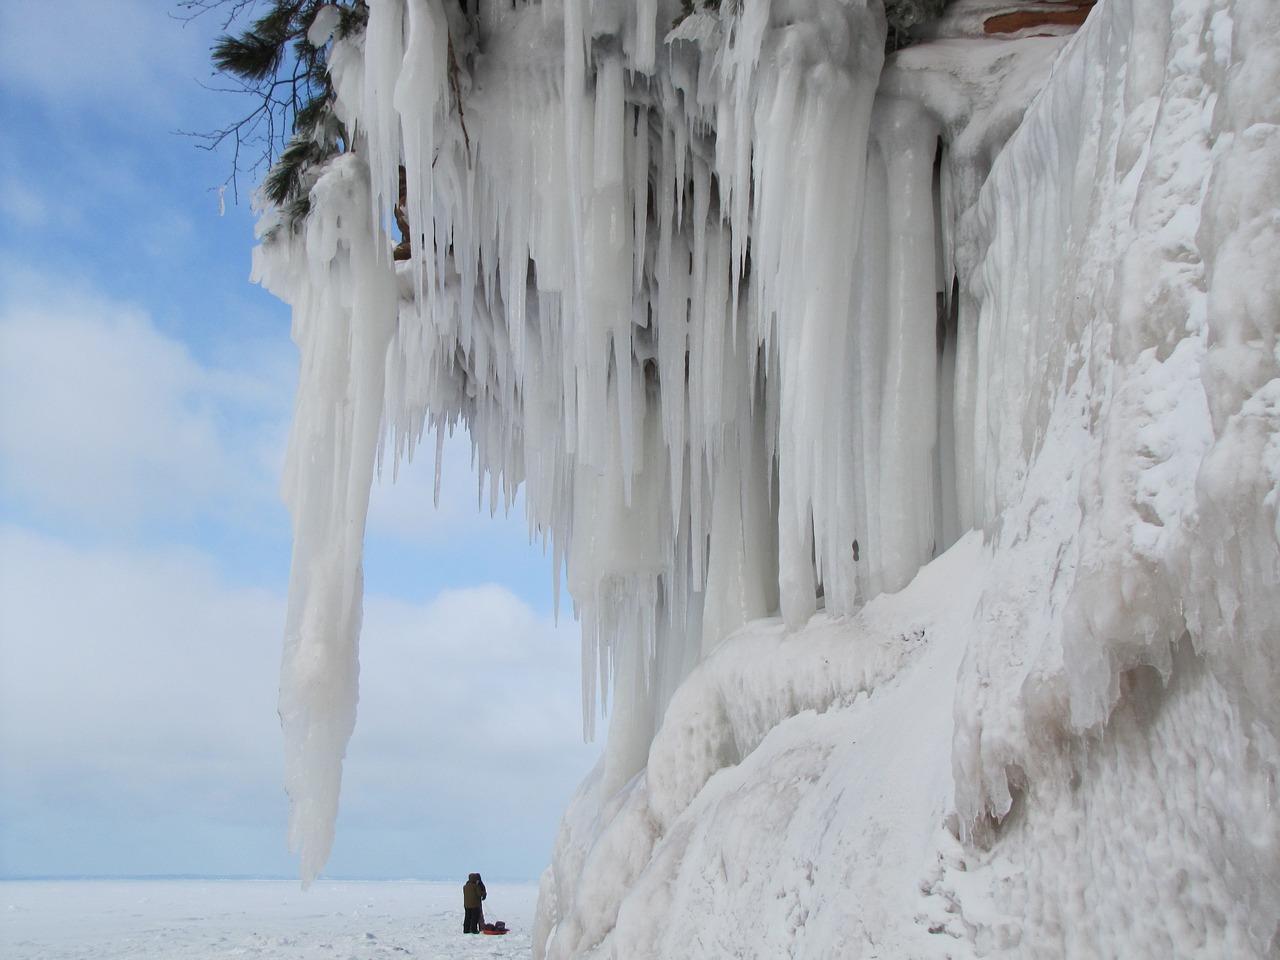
point(683, 288)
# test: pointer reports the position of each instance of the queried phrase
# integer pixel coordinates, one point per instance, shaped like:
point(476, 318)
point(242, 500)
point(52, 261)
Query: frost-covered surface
point(273, 920)
point(905, 431)
point(795, 798)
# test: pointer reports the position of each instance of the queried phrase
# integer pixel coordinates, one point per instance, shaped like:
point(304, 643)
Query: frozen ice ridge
point(905, 427)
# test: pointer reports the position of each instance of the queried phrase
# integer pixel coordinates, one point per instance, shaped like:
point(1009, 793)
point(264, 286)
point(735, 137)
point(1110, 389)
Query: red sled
point(495, 929)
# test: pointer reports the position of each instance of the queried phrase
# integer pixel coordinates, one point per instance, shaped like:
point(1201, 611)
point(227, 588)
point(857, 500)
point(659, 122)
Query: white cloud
point(140, 671)
point(469, 716)
point(479, 653)
point(107, 421)
point(138, 684)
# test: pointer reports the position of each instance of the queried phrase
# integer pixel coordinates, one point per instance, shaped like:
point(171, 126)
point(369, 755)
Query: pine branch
point(271, 61)
point(250, 56)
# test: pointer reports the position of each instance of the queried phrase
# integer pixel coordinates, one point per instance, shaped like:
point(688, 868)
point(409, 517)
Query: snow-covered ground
point(199, 919)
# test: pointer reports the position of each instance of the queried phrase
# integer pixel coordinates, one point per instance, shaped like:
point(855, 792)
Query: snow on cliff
point(905, 429)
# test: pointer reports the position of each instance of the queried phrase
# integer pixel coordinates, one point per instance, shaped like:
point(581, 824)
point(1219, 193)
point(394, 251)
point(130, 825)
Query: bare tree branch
point(267, 57)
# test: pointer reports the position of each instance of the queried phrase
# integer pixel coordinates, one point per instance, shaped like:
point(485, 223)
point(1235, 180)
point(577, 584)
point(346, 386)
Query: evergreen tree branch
point(271, 61)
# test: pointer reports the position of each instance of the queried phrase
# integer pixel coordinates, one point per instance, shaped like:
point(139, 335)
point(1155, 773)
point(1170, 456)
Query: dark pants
point(472, 919)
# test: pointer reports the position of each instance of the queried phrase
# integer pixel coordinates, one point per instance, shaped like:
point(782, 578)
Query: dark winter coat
point(473, 892)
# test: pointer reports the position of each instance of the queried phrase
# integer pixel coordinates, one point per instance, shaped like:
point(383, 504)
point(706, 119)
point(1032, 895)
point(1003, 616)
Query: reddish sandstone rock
point(1048, 13)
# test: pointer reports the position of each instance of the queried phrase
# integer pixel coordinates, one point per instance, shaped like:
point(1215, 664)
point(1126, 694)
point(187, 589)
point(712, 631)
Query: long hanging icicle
point(344, 294)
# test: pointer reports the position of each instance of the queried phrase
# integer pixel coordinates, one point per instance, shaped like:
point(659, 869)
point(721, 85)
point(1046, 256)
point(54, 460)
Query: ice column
point(805, 110)
point(906, 145)
point(344, 295)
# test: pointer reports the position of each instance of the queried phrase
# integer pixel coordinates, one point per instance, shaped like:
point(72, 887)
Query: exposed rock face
point(1012, 19)
point(1039, 15)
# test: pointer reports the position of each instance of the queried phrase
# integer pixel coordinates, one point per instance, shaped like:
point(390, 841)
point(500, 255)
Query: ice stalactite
point(653, 274)
point(344, 319)
point(616, 244)
point(808, 129)
point(650, 276)
point(906, 417)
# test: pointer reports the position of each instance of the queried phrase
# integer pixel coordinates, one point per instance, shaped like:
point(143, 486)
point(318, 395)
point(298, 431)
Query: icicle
point(345, 307)
point(419, 91)
point(640, 41)
point(384, 52)
point(908, 411)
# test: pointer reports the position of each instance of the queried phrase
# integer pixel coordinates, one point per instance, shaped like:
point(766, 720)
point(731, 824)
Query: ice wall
point(1109, 732)
point(616, 241)
point(763, 324)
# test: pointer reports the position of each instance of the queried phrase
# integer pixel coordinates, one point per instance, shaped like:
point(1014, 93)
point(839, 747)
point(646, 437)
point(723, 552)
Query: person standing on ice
point(473, 895)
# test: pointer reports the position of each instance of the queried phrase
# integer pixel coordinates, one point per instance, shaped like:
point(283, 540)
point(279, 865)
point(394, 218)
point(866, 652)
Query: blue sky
point(145, 395)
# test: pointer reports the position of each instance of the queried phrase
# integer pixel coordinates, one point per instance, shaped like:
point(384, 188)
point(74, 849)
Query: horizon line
point(235, 878)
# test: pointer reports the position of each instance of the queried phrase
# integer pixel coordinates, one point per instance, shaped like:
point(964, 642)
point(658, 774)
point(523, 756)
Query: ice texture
point(344, 318)
point(904, 430)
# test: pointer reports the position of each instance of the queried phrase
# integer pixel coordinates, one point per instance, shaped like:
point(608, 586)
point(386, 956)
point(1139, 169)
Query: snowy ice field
point(272, 920)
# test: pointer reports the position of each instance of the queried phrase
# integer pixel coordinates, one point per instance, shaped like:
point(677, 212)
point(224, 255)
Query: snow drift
point(905, 429)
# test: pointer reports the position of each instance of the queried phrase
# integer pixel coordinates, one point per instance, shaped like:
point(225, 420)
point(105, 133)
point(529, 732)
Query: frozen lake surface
point(198, 919)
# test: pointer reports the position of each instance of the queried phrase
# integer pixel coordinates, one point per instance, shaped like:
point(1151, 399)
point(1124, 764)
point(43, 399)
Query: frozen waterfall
point(853, 396)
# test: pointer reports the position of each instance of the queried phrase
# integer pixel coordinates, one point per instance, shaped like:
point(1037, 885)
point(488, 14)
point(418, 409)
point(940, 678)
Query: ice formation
point(904, 428)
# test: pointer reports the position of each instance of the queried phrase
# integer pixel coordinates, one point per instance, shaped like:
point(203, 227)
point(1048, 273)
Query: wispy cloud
point(137, 684)
point(131, 673)
point(106, 420)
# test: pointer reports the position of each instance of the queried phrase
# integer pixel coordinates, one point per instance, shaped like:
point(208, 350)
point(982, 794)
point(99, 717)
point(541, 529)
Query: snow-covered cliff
point(904, 428)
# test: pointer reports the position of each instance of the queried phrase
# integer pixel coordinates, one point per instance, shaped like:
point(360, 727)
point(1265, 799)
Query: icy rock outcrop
point(904, 430)
point(1108, 746)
